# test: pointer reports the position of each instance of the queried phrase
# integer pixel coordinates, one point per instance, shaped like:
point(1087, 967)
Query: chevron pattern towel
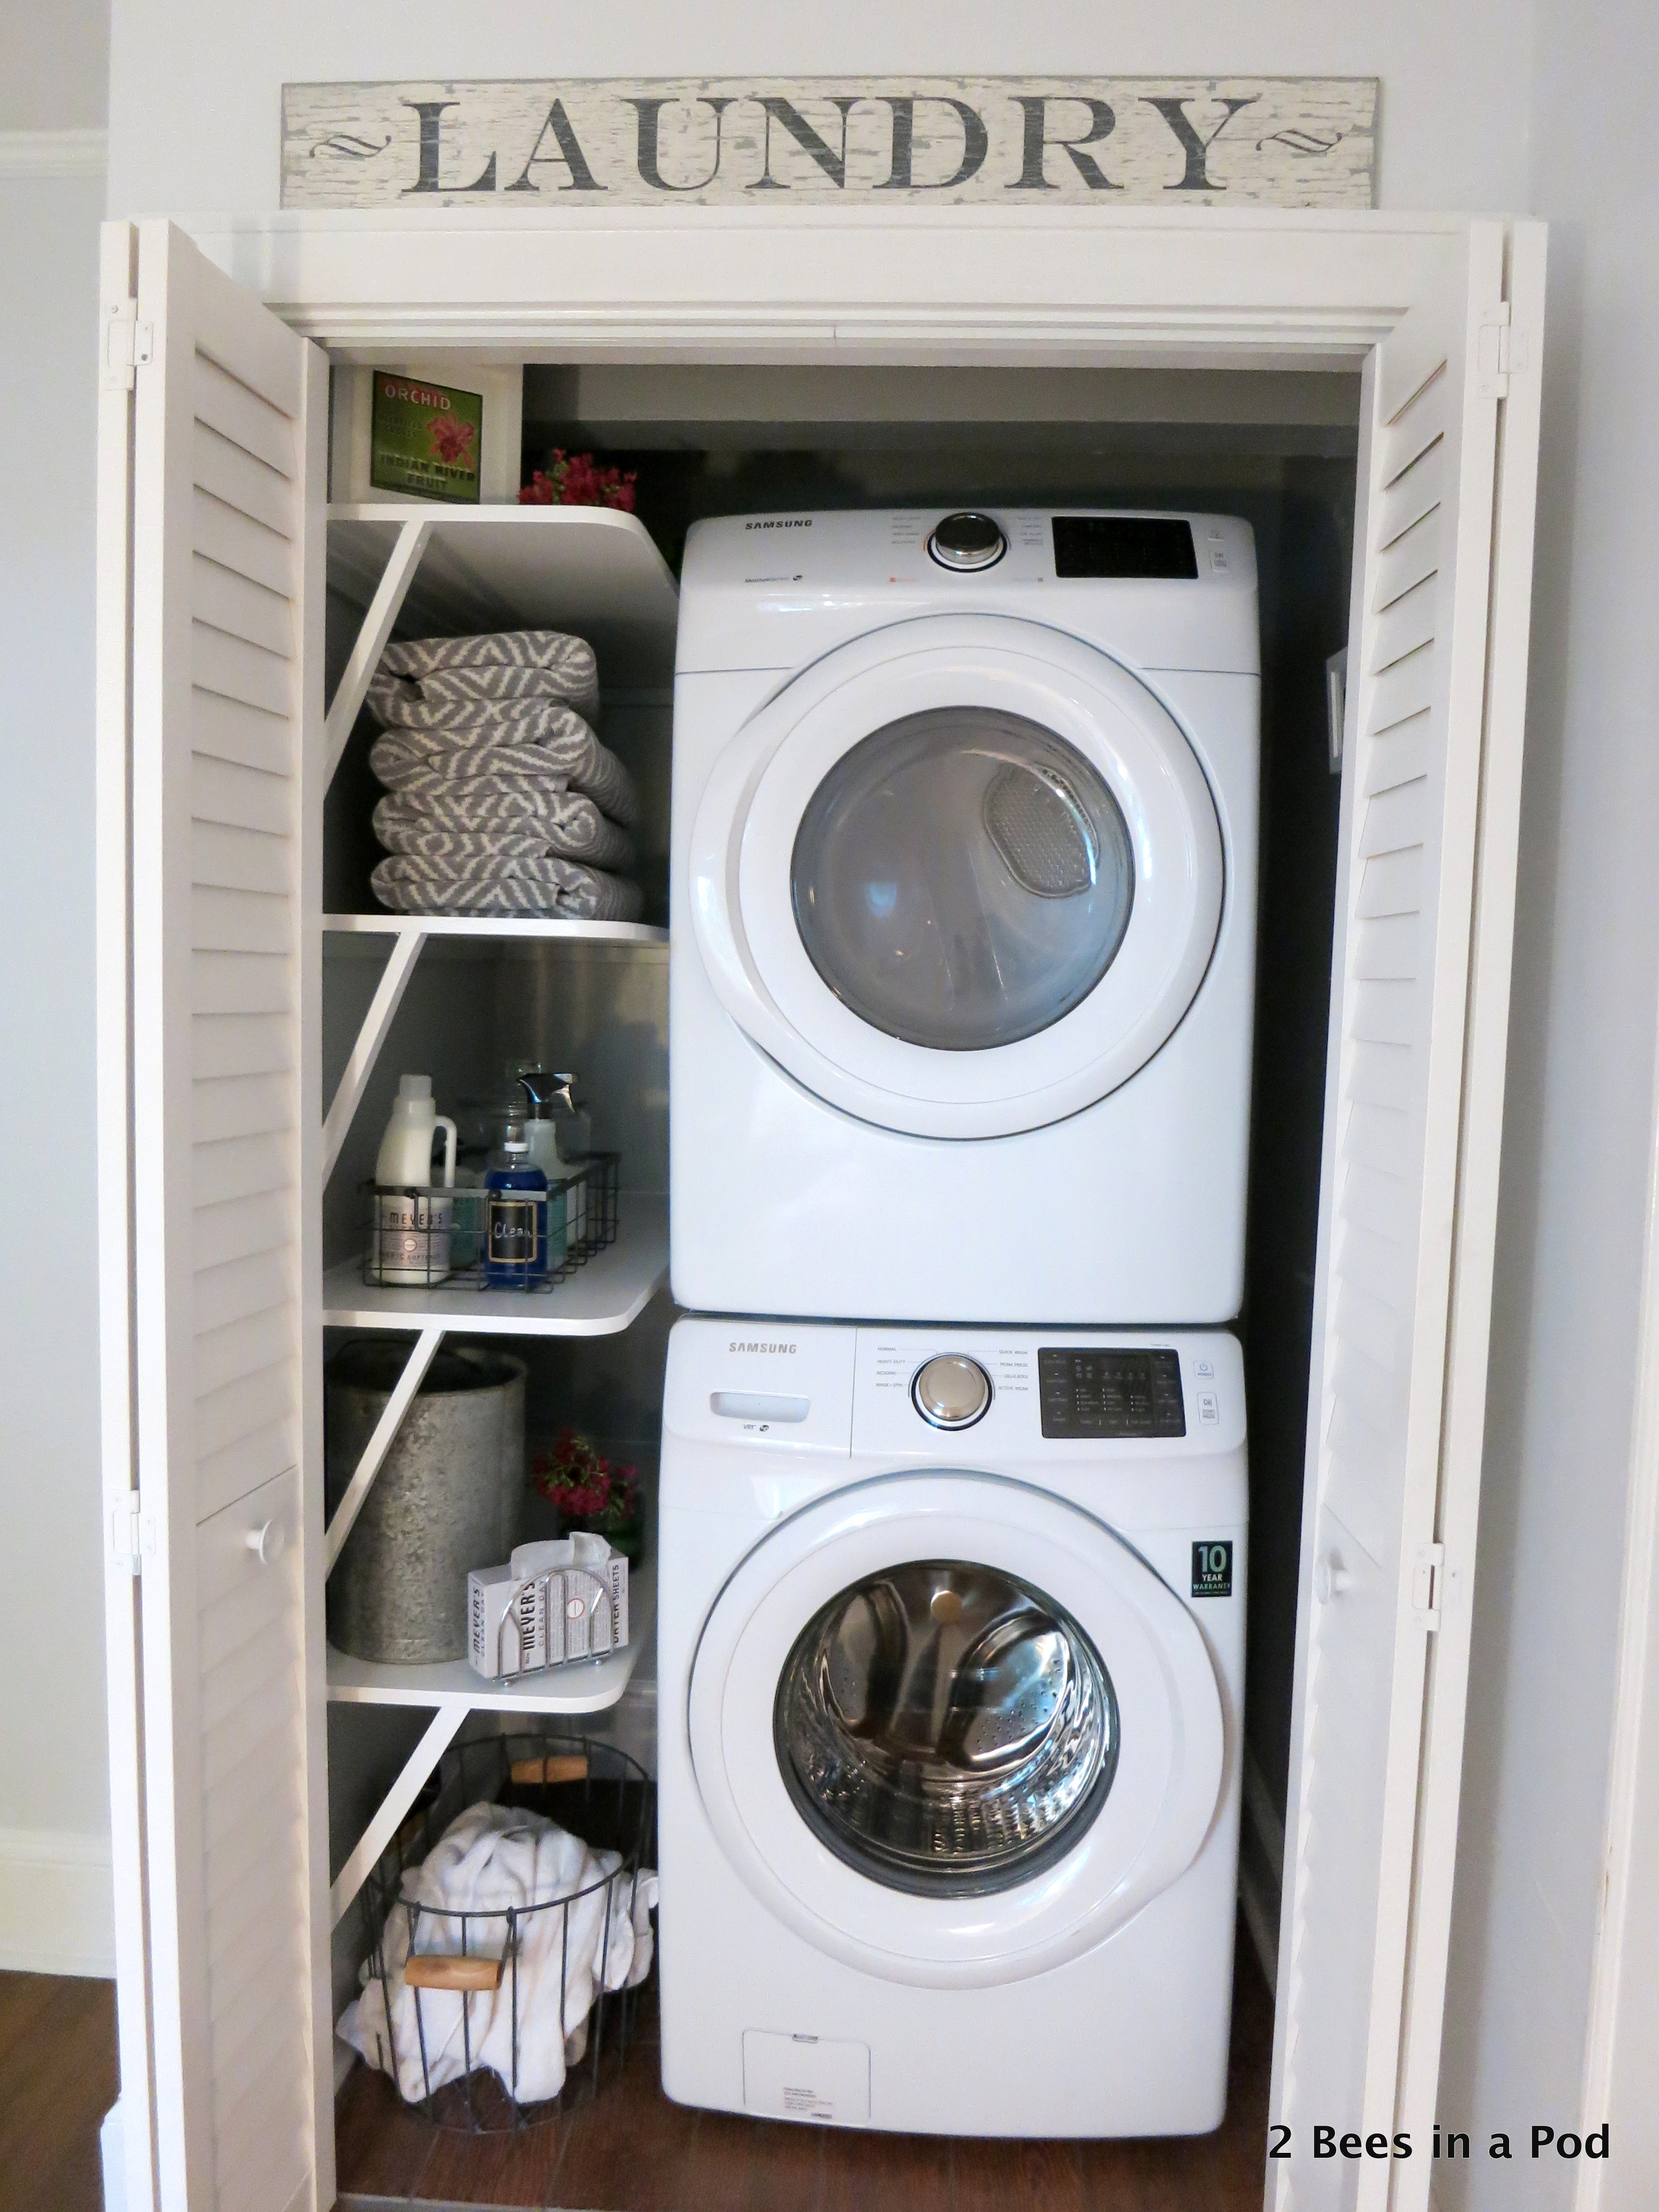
point(501, 800)
point(408, 885)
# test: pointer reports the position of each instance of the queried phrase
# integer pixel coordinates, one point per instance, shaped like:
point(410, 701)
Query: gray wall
point(54, 1814)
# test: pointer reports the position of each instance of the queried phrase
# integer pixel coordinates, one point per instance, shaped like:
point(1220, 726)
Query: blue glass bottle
point(515, 1219)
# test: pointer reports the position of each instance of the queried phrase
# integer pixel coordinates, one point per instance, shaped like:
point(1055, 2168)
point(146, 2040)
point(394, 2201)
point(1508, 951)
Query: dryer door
point(960, 878)
point(952, 1730)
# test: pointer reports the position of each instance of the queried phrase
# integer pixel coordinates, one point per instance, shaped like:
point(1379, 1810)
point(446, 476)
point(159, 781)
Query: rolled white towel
point(564, 889)
point(493, 1859)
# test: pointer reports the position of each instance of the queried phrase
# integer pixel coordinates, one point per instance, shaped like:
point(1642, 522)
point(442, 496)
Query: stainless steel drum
point(945, 1728)
point(446, 1499)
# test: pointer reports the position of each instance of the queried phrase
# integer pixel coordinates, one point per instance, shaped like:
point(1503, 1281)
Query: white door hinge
point(1428, 1584)
point(128, 346)
point(131, 1534)
point(1500, 350)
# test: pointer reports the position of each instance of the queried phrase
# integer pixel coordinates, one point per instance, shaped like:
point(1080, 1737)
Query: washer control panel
point(1096, 1391)
point(952, 1391)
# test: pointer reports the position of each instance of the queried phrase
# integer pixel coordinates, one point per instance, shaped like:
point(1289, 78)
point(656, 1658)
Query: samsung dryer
point(963, 908)
point(951, 1652)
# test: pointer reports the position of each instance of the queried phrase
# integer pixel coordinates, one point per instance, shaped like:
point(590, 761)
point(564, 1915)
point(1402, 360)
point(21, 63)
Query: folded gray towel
point(470, 698)
point(518, 821)
point(558, 752)
point(564, 889)
point(569, 660)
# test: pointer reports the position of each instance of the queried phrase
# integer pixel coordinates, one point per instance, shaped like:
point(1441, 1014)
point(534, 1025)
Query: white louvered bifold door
point(1382, 1485)
point(227, 421)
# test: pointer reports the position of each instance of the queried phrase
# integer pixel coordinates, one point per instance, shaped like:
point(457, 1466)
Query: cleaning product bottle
point(515, 1219)
point(570, 1134)
point(544, 1153)
point(412, 1223)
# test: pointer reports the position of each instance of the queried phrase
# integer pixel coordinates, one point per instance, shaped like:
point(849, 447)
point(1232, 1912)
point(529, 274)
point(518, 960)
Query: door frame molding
point(1066, 286)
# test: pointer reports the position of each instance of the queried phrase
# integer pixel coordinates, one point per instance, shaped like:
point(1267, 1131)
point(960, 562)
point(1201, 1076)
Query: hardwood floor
point(629, 2150)
point(58, 2079)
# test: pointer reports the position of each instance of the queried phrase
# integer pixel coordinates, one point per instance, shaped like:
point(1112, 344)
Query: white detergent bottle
point(411, 1224)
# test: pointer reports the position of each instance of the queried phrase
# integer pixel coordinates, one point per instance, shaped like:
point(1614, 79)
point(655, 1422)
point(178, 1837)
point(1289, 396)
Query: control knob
point(952, 1391)
point(967, 541)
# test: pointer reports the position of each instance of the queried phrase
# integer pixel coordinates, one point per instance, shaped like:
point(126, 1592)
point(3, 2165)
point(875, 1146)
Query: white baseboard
point(57, 1903)
point(1261, 1868)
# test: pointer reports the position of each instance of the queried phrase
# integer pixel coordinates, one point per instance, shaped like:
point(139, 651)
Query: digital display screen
point(1124, 545)
point(1109, 1394)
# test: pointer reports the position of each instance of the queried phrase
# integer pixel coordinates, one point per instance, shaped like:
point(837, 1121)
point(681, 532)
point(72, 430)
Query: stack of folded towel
point(499, 798)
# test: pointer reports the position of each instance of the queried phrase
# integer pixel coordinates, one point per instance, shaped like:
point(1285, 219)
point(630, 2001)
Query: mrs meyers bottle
point(515, 1219)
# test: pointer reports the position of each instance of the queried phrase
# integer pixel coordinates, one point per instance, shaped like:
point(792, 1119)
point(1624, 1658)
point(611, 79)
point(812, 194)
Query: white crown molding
point(53, 153)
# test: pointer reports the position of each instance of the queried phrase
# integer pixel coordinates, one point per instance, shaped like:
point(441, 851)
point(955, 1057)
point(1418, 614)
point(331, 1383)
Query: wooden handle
point(569, 1766)
point(431, 1970)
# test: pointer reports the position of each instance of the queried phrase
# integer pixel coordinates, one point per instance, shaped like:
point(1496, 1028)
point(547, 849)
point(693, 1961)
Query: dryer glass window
point(945, 1728)
point(962, 878)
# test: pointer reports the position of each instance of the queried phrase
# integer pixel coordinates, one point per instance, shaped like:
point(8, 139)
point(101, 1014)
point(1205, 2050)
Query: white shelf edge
point(587, 1685)
point(510, 514)
point(467, 925)
point(635, 1267)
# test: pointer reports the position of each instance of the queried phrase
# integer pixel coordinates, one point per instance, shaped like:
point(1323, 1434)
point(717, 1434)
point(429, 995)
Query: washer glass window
point(945, 1728)
point(962, 878)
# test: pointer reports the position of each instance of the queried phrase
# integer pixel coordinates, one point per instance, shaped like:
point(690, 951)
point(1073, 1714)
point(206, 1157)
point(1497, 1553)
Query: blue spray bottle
point(515, 1219)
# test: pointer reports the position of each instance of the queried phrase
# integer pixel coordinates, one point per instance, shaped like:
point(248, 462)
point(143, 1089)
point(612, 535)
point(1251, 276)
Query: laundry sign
point(1273, 142)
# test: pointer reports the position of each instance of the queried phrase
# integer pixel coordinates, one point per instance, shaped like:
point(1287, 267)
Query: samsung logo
point(737, 1345)
point(788, 522)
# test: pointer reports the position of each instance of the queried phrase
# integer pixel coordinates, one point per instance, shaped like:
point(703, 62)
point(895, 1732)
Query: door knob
point(1331, 1577)
point(268, 1542)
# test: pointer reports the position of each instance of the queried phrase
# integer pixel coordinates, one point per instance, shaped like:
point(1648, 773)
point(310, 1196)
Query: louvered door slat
point(231, 857)
point(229, 430)
point(225, 730)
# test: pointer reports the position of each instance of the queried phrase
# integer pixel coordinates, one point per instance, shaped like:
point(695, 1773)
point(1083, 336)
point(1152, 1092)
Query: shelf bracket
point(406, 949)
point(384, 610)
point(446, 1725)
point(375, 1452)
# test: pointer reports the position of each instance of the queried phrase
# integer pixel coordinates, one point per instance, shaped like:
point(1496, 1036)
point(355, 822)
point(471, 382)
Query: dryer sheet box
point(551, 1603)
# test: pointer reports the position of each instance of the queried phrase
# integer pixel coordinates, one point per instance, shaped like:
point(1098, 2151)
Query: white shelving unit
point(484, 926)
point(451, 1691)
point(585, 568)
point(597, 573)
point(599, 1300)
point(586, 1685)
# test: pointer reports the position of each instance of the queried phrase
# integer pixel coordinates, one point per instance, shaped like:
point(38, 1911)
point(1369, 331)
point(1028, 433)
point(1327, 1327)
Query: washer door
point(951, 1730)
point(960, 878)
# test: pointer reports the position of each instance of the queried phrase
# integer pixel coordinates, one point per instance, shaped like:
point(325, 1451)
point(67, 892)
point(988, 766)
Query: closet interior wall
point(1277, 449)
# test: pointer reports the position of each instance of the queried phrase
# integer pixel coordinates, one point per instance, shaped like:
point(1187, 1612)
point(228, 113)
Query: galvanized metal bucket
point(447, 1498)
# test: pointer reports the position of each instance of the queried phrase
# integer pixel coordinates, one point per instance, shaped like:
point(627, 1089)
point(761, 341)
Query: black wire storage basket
point(418, 1234)
point(599, 1794)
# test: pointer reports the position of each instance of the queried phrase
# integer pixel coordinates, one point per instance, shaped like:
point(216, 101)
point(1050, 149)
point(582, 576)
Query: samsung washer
point(950, 1662)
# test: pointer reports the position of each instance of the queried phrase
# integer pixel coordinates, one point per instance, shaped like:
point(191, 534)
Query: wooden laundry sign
point(1274, 142)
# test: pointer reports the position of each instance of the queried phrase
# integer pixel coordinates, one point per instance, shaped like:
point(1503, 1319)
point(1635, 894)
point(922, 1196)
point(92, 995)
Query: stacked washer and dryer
point(953, 1499)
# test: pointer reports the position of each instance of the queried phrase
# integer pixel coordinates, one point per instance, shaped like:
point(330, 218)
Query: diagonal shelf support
point(384, 610)
point(375, 1452)
point(383, 1007)
point(445, 1727)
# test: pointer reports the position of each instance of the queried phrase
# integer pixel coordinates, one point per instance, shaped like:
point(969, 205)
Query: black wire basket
point(598, 1794)
point(418, 1234)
